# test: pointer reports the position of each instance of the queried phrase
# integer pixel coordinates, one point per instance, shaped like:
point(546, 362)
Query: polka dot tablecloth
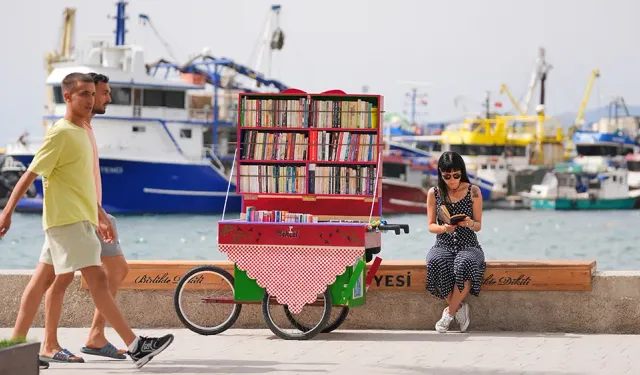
point(294, 274)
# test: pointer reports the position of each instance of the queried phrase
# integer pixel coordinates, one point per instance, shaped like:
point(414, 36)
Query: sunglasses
point(456, 176)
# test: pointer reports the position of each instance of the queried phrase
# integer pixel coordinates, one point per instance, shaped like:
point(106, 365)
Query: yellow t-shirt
point(65, 161)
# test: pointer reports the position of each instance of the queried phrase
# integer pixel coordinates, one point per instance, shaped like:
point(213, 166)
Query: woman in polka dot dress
point(457, 258)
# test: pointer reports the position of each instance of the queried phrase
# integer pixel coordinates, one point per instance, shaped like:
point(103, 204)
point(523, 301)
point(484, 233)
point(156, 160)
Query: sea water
point(612, 238)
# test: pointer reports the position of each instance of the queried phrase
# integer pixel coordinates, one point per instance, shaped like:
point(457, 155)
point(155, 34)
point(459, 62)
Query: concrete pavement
point(240, 351)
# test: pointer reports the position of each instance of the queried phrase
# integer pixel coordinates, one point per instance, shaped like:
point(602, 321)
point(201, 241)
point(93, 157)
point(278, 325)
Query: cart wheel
point(204, 297)
point(332, 324)
point(323, 303)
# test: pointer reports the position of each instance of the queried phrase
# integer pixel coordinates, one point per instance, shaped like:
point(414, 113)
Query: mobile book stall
point(308, 168)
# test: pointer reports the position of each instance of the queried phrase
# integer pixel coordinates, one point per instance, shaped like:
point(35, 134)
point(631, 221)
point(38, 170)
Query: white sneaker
point(462, 316)
point(442, 325)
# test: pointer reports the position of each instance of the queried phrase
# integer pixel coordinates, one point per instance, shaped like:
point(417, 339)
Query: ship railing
point(210, 153)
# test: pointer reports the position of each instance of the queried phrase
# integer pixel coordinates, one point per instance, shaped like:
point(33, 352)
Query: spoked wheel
point(317, 315)
point(204, 300)
point(338, 316)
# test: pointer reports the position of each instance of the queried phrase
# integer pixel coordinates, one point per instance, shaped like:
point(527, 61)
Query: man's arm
point(18, 192)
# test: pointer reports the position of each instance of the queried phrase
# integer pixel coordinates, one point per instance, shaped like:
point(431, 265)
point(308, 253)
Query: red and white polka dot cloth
point(294, 275)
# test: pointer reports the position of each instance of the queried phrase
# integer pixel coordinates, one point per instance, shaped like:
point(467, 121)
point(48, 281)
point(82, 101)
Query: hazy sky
point(462, 47)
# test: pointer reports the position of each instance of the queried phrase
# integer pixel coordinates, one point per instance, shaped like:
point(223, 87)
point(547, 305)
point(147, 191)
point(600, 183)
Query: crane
point(595, 73)
point(66, 48)
point(505, 89)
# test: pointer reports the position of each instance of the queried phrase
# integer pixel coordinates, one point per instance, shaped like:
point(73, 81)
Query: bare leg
point(53, 310)
point(116, 269)
point(458, 297)
point(31, 297)
point(97, 281)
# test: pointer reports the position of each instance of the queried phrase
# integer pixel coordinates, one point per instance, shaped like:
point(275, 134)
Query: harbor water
point(611, 238)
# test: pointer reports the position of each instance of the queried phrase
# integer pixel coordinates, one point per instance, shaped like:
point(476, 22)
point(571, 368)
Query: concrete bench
point(545, 275)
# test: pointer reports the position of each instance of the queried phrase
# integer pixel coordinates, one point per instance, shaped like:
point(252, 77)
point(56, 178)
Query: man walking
point(70, 214)
point(115, 265)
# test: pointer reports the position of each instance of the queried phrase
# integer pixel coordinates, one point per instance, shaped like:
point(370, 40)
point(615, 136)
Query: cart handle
point(395, 227)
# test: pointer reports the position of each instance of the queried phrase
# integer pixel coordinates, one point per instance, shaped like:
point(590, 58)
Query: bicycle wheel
point(332, 324)
point(321, 315)
point(210, 287)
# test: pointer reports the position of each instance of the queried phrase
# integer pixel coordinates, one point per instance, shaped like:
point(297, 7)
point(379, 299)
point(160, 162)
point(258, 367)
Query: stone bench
point(545, 275)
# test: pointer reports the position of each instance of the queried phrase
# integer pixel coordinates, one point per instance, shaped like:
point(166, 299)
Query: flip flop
point(42, 364)
point(63, 356)
point(108, 351)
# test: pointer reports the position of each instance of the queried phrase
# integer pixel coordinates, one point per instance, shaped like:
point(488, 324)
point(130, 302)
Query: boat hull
point(139, 187)
point(584, 204)
point(402, 198)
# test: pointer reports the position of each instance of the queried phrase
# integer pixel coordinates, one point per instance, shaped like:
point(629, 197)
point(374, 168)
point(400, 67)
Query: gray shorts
point(111, 249)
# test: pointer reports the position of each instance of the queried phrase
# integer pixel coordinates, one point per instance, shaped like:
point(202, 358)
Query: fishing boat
point(403, 185)
point(584, 185)
point(160, 139)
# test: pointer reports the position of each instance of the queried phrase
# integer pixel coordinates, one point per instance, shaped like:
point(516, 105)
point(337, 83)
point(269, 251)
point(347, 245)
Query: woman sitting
point(457, 257)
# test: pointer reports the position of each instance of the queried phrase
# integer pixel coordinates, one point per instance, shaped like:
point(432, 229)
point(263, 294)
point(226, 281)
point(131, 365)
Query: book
point(446, 217)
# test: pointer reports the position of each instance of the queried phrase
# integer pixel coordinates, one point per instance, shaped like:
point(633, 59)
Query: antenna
point(415, 96)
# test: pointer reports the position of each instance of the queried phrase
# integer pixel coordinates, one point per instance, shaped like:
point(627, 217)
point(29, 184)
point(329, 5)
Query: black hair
point(450, 161)
point(97, 77)
point(70, 81)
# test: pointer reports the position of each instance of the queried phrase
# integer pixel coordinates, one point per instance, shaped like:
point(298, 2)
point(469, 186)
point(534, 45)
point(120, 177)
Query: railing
point(210, 153)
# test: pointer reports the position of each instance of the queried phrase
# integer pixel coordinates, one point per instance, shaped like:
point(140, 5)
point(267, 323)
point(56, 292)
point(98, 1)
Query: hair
point(71, 80)
point(97, 77)
point(450, 161)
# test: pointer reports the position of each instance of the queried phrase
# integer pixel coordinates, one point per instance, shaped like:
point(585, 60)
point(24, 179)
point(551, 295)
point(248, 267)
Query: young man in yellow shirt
point(115, 265)
point(70, 215)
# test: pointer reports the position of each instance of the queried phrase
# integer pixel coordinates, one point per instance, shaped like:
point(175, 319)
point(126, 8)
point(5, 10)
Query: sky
point(445, 49)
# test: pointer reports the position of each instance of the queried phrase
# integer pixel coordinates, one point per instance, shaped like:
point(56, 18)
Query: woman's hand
point(467, 222)
point(449, 228)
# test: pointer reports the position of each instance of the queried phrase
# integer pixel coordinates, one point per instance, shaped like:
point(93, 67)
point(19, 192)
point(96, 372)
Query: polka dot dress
point(456, 257)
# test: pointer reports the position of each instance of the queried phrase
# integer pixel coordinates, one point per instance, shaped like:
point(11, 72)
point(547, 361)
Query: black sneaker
point(149, 347)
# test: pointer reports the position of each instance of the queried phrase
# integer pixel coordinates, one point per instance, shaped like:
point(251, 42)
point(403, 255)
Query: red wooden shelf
point(354, 205)
point(273, 161)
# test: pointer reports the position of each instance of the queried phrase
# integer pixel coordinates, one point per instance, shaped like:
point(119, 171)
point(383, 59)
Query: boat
point(584, 185)
point(160, 139)
point(633, 165)
point(495, 149)
point(403, 185)
point(501, 151)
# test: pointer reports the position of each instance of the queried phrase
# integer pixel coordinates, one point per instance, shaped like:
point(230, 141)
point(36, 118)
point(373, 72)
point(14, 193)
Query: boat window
point(633, 166)
point(153, 98)
point(121, 95)
point(483, 166)
point(57, 95)
point(393, 170)
point(174, 99)
point(139, 129)
point(615, 178)
point(185, 133)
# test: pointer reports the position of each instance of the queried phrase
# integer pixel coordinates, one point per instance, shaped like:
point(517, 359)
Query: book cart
point(308, 168)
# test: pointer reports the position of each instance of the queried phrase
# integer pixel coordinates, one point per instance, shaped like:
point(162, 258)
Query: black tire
point(306, 335)
point(331, 325)
point(237, 308)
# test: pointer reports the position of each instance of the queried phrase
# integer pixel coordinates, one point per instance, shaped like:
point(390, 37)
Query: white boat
point(160, 138)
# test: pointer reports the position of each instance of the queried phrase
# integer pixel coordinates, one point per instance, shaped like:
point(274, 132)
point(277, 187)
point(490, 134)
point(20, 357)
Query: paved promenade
point(358, 352)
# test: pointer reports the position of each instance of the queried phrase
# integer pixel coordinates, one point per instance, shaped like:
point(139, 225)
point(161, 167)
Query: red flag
point(498, 104)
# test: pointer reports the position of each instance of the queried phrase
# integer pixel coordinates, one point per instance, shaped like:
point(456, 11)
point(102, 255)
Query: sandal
point(63, 356)
point(42, 364)
point(108, 351)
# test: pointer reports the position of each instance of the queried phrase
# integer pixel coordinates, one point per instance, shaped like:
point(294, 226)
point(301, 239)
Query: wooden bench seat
point(545, 275)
